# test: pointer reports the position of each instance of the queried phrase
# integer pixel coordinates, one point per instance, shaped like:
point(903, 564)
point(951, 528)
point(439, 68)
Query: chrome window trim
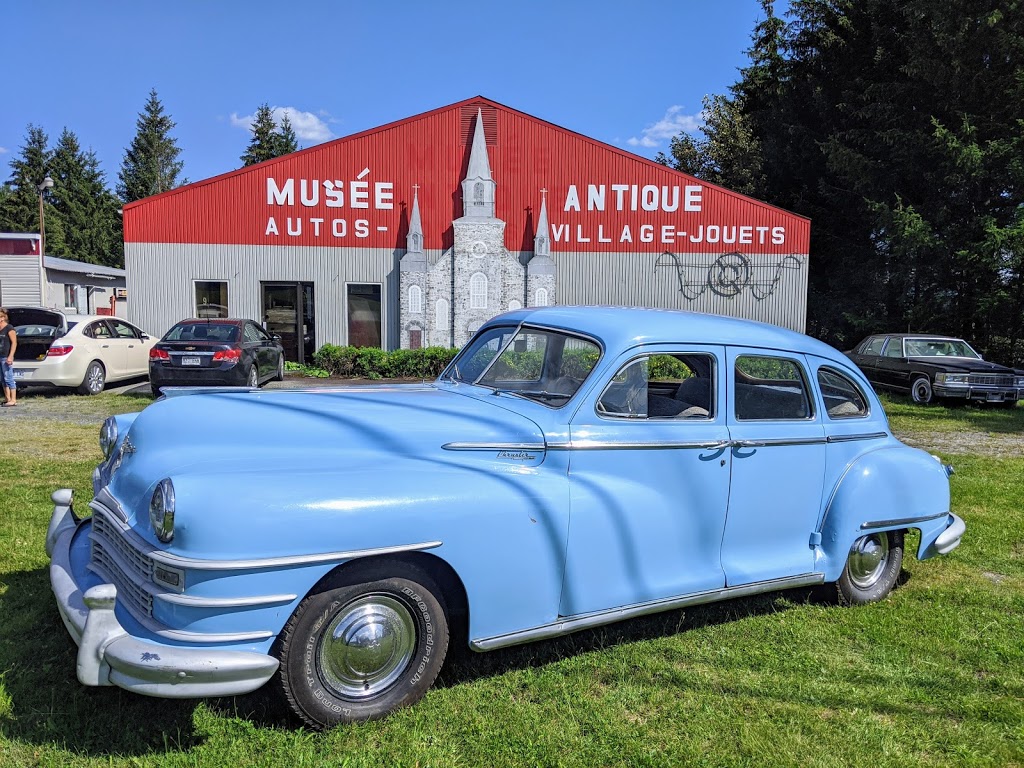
point(712, 416)
point(801, 367)
point(863, 397)
point(574, 624)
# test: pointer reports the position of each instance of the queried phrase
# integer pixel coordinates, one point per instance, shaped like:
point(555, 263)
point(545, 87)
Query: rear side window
point(843, 398)
point(770, 388)
point(874, 346)
point(894, 348)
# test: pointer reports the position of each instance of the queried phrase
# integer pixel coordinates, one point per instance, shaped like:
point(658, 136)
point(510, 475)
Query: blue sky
point(631, 74)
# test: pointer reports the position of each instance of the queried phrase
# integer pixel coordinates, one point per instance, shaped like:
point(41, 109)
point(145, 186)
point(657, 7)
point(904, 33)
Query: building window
point(478, 193)
point(541, 298)
point(364, 316)
point(415, 300)
point(70, 295)
point(442, 315)
point(478, 291)
point(211, 298)
point(515, 304)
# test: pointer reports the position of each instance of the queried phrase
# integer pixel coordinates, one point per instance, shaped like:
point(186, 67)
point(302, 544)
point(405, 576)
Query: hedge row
point(373, 363)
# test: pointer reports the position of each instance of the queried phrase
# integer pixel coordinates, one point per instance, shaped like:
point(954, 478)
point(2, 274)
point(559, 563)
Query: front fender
point(891, 488)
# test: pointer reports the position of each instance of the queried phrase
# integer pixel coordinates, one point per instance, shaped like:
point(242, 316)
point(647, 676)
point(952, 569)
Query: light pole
point(44, 185)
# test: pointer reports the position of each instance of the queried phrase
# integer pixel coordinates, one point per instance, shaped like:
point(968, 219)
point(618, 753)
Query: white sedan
point(80, 351)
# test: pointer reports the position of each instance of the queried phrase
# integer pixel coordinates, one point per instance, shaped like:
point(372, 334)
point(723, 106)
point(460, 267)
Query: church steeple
point(478, 187)
point(542, 240)
point(414, 239)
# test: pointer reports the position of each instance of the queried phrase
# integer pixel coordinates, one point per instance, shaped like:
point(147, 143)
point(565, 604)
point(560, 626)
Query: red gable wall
point(599, 198)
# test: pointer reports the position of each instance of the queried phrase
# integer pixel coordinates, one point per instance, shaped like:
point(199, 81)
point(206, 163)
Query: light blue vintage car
point(572, 467)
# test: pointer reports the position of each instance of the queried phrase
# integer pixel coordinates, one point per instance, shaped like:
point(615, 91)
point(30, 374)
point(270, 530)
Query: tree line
point(896, 127)
point(82, 215)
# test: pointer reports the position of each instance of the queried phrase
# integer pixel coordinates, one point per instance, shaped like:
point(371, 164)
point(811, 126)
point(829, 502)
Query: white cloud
point(672, 124)
point(3, 150)
point(308, 127)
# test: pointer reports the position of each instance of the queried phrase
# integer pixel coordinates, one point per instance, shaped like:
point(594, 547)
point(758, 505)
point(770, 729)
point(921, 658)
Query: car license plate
point(191, 361)
point(20, 373)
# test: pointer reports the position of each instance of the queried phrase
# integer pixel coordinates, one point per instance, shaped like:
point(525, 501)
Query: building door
point(289, 312)
point(364, 315)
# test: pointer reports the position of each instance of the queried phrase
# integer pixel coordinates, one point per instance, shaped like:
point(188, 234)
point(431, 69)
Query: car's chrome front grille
point(127, 568)
point(991, 379)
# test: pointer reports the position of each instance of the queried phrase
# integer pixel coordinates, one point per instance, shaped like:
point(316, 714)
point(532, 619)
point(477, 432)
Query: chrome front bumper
point(108, 655)
point(987, 392)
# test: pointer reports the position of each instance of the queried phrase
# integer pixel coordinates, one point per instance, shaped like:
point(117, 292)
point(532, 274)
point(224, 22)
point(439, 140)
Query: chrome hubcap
point(921, 392)
point(367, 646)
point(868, 559)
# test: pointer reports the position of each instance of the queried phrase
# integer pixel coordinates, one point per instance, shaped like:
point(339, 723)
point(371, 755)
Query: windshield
point(940, 348)
point(540, 364)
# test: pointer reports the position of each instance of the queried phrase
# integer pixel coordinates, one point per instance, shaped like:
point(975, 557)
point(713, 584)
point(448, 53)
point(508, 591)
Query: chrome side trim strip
point(594, 445)
point(190, 601)
point(279, 562)
point(778, 441)
point(901, 521)
point(493, 446)
point(849, 438)
point(576, 623)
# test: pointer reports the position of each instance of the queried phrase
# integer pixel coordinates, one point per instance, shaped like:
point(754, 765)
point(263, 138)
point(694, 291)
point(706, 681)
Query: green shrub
point(374, 363)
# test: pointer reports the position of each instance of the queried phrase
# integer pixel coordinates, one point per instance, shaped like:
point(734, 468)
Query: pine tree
point(150, 164)
point(287, 141)
point(19, 209)
point(264, 142)
point(86, 206)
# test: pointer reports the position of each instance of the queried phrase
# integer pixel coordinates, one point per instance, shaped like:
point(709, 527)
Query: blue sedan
point(570, 468)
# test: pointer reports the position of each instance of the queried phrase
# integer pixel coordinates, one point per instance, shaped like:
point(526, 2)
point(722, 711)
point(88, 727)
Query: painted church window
point(478, 291)
point(415, 300)
point(515, 304)
point(541, 298)
point(478, 193)
point(442, 314)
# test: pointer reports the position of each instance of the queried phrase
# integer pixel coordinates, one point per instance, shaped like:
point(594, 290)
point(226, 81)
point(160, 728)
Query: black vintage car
point(930, 367)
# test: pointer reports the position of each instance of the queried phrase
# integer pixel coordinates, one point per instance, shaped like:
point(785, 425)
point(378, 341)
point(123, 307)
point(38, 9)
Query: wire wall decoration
point(728, 275)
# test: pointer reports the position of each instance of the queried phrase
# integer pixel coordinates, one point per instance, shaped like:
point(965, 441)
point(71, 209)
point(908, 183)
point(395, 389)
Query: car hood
point(965, 364)
point(36, 316)
point(232, 436)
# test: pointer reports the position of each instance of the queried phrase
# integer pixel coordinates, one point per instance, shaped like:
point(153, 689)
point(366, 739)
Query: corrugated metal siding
point(21, 281)
point(161, 281)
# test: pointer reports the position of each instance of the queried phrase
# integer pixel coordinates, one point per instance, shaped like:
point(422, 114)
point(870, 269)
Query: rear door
point(136, 354)
point(778, 467)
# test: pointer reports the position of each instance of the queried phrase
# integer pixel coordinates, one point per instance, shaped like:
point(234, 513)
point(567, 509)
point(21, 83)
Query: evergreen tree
point(288, 142)
point(86, 206)
point(268, 141)
point(150, 164)
point(264, 142)
point(19, 208)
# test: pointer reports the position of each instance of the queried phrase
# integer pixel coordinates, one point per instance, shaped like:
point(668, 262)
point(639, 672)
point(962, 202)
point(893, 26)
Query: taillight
point(56, 351)
point(227, 354)
point(158, 354)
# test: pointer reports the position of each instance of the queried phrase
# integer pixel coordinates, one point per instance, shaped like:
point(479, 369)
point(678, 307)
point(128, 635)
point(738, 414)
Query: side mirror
point(276, 337)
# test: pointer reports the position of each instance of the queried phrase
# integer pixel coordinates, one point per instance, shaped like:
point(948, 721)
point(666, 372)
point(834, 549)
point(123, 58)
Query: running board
point(590, 620)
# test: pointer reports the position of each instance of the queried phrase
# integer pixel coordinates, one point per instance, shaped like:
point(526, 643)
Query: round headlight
point(161, 510)
point(108, 436)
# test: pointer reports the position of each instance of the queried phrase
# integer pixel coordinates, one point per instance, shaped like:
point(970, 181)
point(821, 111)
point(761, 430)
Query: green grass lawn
point(934, 675)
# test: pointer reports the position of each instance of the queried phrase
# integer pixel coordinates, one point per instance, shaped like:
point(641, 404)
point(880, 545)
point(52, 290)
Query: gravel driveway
point(82, 409)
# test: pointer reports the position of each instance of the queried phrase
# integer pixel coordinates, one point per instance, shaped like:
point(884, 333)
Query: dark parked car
point(215, 351)
point(930, 367)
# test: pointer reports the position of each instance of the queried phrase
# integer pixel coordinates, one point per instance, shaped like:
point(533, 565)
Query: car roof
point(622, 327)
point(934, 336)
point(215, 320)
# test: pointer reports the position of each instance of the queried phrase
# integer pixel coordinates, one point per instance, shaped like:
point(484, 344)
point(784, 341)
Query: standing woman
point(8, 343)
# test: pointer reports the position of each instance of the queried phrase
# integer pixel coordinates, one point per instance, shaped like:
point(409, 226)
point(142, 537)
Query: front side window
point(211, 298)
point(677, 386)
point(543, 365)
point(874, 346)
point(843, 399)
point(770, 388)
point(123, 330)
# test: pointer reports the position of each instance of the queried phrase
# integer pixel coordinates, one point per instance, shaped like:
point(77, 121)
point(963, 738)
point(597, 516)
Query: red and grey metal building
point(415, 232)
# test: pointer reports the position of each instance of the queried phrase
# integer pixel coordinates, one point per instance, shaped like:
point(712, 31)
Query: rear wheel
point(95, 379)
point(872, 568)
point(361, 651)
point(921, 390)
point(253, 379)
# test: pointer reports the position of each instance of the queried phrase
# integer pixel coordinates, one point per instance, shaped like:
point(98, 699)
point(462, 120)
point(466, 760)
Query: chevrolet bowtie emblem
point(189, 349)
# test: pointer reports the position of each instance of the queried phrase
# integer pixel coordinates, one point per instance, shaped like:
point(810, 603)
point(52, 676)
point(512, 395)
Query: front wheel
point(921, 390)
point(872, 568)
point(361, 651)
point(279, 376)
point(95, 379)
